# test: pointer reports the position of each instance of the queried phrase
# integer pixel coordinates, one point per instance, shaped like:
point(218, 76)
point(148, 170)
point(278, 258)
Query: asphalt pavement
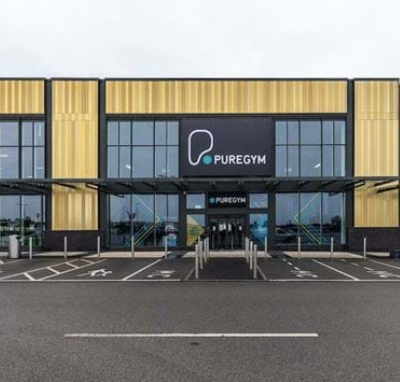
point(328, 331)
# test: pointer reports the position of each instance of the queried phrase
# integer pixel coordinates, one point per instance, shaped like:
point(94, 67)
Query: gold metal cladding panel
point(74, 209)
point(229, 96)
point(75, 129)
point(376, 136)
point(372, 209)
point(22, 97)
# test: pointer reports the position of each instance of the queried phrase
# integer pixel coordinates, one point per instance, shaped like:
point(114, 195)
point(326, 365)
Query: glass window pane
point(112, 162)
point(293, 132)
point(340, 160)
point(10, 214)
point(161, 162)
point(293, 161)
point(195, 201)
point(125, 133)
point(38, 129)
point(27, 133)
point(27, 166)
point(9, 162)
point(143, 215)
point(31, 222)
point(172, 228)
point(258, 200)
point(124, 162)
point(142, 133)
point(173, 133)
point(310, 132)
point(287, 214)
point(327, 132)
point(280, 133)
point(310, 161)
point(258, 228)
point(8, 133)
point(161, 218)
point(173, 161)
point(38, 170)
point(310, 218)
point(340, 132)
point(327, 160)
point(195, 228)
point(120, 219)
point(142, 162)
point(161, 132)
point(112, 133)
point(333, 218)
point(280, 160)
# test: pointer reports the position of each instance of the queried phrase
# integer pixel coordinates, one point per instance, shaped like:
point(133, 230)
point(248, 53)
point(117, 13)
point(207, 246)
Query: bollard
point(298, 247)
point(132, 247)
point(365, 248)
point(208, 248)
point(165, 246)
point(251, 255)
point(265, 247)
point(332, 247)
point(65, 248)
point(98, 247)
point(200, 249)
point(196, 260)
point(255, 262)
point(30, 248)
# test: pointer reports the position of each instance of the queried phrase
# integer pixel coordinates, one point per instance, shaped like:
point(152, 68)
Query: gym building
point(179, 159)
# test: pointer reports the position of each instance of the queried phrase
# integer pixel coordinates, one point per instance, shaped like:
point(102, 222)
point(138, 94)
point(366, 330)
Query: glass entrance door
point(227, 232)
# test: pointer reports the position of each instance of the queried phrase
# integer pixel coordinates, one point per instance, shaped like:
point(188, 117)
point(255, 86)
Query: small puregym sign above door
point(227, 199)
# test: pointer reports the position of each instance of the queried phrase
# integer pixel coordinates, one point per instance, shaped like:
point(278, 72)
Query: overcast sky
point(200, 38)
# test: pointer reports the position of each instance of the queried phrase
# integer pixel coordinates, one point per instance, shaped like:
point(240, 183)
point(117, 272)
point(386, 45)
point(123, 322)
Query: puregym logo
point(208, 158)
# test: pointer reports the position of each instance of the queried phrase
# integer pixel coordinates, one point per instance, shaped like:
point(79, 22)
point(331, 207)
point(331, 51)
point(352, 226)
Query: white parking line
point(368, 269)
point(53, 270)
point(72, 265)
point(261, 273)
point(70, 270)
point(336, 270)
point(386, 265)
point(191, 335)
point(1, 262)
point(28, 276)
point(141, 270)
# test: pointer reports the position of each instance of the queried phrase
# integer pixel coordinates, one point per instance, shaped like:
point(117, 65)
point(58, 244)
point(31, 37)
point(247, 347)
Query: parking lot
point(179, 267)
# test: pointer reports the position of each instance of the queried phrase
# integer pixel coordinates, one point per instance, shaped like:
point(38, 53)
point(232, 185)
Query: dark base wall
point(76, 240)
point(378, 239)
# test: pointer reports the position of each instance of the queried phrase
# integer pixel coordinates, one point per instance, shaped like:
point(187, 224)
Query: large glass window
point(310, 148)
point(195, 201)
point(22, 216)
point(259, 228)
point(143, 149)
point(315, 217)
point(259, 200)
point(195, 228)
point(22, 141)
point(148, 217)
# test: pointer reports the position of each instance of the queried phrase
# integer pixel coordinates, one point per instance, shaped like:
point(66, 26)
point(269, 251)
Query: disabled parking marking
point(96, 272)
point(336, 270)
point(384, 264)
point(141, 270)
point(304, 274)
point(164, 274)
point(71, 270)
point(384, 274)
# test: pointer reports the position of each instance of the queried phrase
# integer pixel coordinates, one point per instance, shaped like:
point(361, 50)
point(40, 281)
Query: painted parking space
point(105, 270)
point(363, 269)
point(298, 270)
point(170, 269)
point(225, 269)
point(40, 270)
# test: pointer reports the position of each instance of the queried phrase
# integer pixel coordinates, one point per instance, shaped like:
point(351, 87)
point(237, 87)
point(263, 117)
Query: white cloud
point(199, 38)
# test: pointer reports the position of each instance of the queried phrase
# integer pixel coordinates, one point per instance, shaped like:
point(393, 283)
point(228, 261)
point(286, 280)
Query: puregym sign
point(226, 146)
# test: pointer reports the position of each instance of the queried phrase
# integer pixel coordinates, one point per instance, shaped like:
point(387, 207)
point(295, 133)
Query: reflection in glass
point(9, 162)
point(258, 200)
point(280, 133)
point(287, 217)
point(9, 133)
point(142, 162)
point(310, 158)
point(310, 218)
point(310, 132)
point(195, 201)
point(195, 228)
point(120, 230)
point(258, 228)
point(112, 162)
point(142, 132)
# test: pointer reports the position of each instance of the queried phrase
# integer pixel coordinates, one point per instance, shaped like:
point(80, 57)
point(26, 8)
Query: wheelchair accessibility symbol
point(96, 273)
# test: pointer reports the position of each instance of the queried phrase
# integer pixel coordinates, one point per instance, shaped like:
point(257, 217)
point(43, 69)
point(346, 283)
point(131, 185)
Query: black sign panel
point(226, 146)
point(227, 200)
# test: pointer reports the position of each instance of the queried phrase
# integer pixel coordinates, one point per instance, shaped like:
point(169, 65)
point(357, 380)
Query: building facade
point(177, 159)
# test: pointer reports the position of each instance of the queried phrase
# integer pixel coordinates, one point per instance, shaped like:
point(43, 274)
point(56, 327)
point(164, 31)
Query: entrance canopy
point(267, 184)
